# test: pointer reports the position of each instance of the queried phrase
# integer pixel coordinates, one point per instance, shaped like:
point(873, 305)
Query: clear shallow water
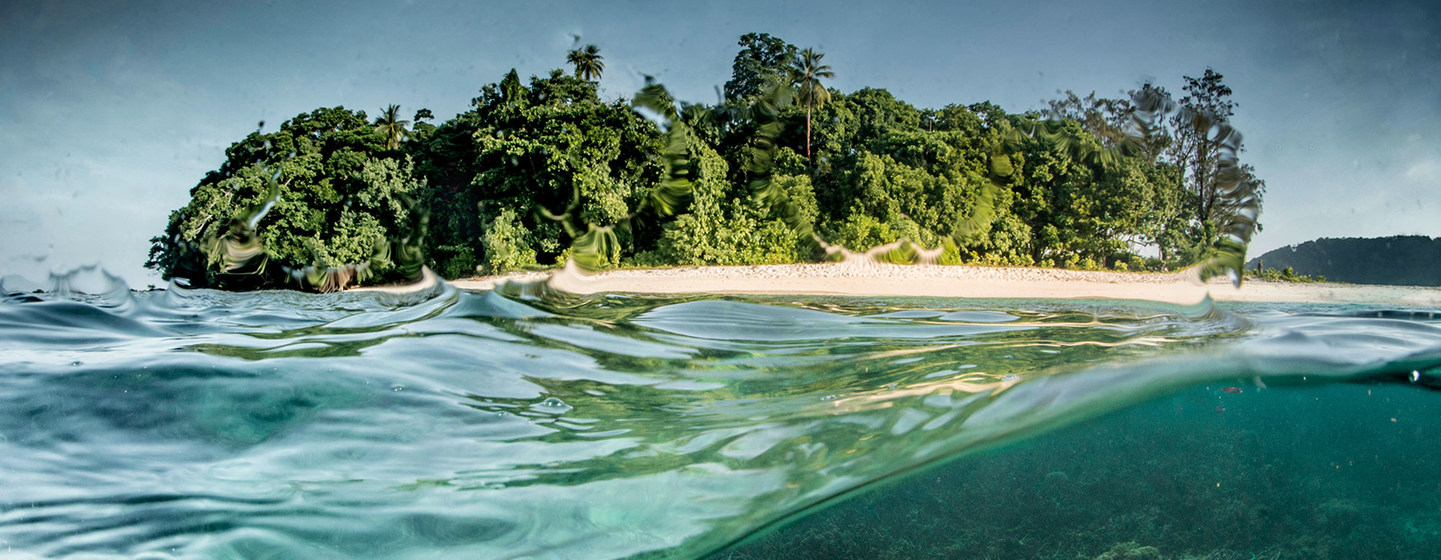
point(526, 423)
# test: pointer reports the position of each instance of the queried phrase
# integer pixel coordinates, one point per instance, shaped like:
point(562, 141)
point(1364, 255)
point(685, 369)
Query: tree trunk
point(1204, 189)
point(808, 132)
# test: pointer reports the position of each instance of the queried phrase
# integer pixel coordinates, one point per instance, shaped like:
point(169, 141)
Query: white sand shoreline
point(958, 281)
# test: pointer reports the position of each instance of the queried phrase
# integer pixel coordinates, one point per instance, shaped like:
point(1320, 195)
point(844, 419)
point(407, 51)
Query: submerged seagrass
point(526, 423)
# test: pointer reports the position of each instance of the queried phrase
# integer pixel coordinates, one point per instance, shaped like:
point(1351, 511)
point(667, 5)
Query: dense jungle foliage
point(544, 170)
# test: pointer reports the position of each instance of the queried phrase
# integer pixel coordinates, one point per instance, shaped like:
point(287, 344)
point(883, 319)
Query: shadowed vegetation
point(1403, 260)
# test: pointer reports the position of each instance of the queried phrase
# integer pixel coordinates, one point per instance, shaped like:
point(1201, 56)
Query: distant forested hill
point(1404, 260)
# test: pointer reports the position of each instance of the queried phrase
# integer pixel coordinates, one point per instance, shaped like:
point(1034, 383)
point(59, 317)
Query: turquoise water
point(526, 423)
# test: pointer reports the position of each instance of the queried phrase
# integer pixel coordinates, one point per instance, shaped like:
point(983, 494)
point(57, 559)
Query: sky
point(110, 111)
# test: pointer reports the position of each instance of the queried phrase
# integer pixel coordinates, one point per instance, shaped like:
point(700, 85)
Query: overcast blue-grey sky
point(111, 111)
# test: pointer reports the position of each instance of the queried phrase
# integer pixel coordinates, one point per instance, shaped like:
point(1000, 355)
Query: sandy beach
point(958, 281)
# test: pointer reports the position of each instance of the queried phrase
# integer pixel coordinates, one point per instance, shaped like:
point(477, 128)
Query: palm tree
point(587, 62)
point(808, 73)
point(392, 126)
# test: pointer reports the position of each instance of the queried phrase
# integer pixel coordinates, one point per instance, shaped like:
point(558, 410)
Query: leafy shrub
point(507, 244)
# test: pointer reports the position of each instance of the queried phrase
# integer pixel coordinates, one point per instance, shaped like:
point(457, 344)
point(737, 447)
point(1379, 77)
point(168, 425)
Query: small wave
point(524, 421)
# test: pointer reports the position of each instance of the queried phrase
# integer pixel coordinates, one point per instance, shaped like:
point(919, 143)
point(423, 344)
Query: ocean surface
point(530, 423)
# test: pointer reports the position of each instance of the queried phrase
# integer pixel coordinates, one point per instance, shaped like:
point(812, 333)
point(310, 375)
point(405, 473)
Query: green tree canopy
point(763, 59)
point(548, 148)
point(332, 198)
point(588, 62)
point(539, 171)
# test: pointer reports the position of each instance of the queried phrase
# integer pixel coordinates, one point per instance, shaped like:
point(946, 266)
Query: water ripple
point(521, 423)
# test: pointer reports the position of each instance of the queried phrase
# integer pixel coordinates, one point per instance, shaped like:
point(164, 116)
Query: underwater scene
point(527, 422)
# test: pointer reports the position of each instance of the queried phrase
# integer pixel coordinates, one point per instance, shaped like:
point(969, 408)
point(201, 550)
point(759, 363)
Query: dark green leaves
point(588, 62)
point(318, 204)
point(542, 171)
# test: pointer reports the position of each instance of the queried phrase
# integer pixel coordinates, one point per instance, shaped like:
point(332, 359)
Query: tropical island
point(782, 169)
